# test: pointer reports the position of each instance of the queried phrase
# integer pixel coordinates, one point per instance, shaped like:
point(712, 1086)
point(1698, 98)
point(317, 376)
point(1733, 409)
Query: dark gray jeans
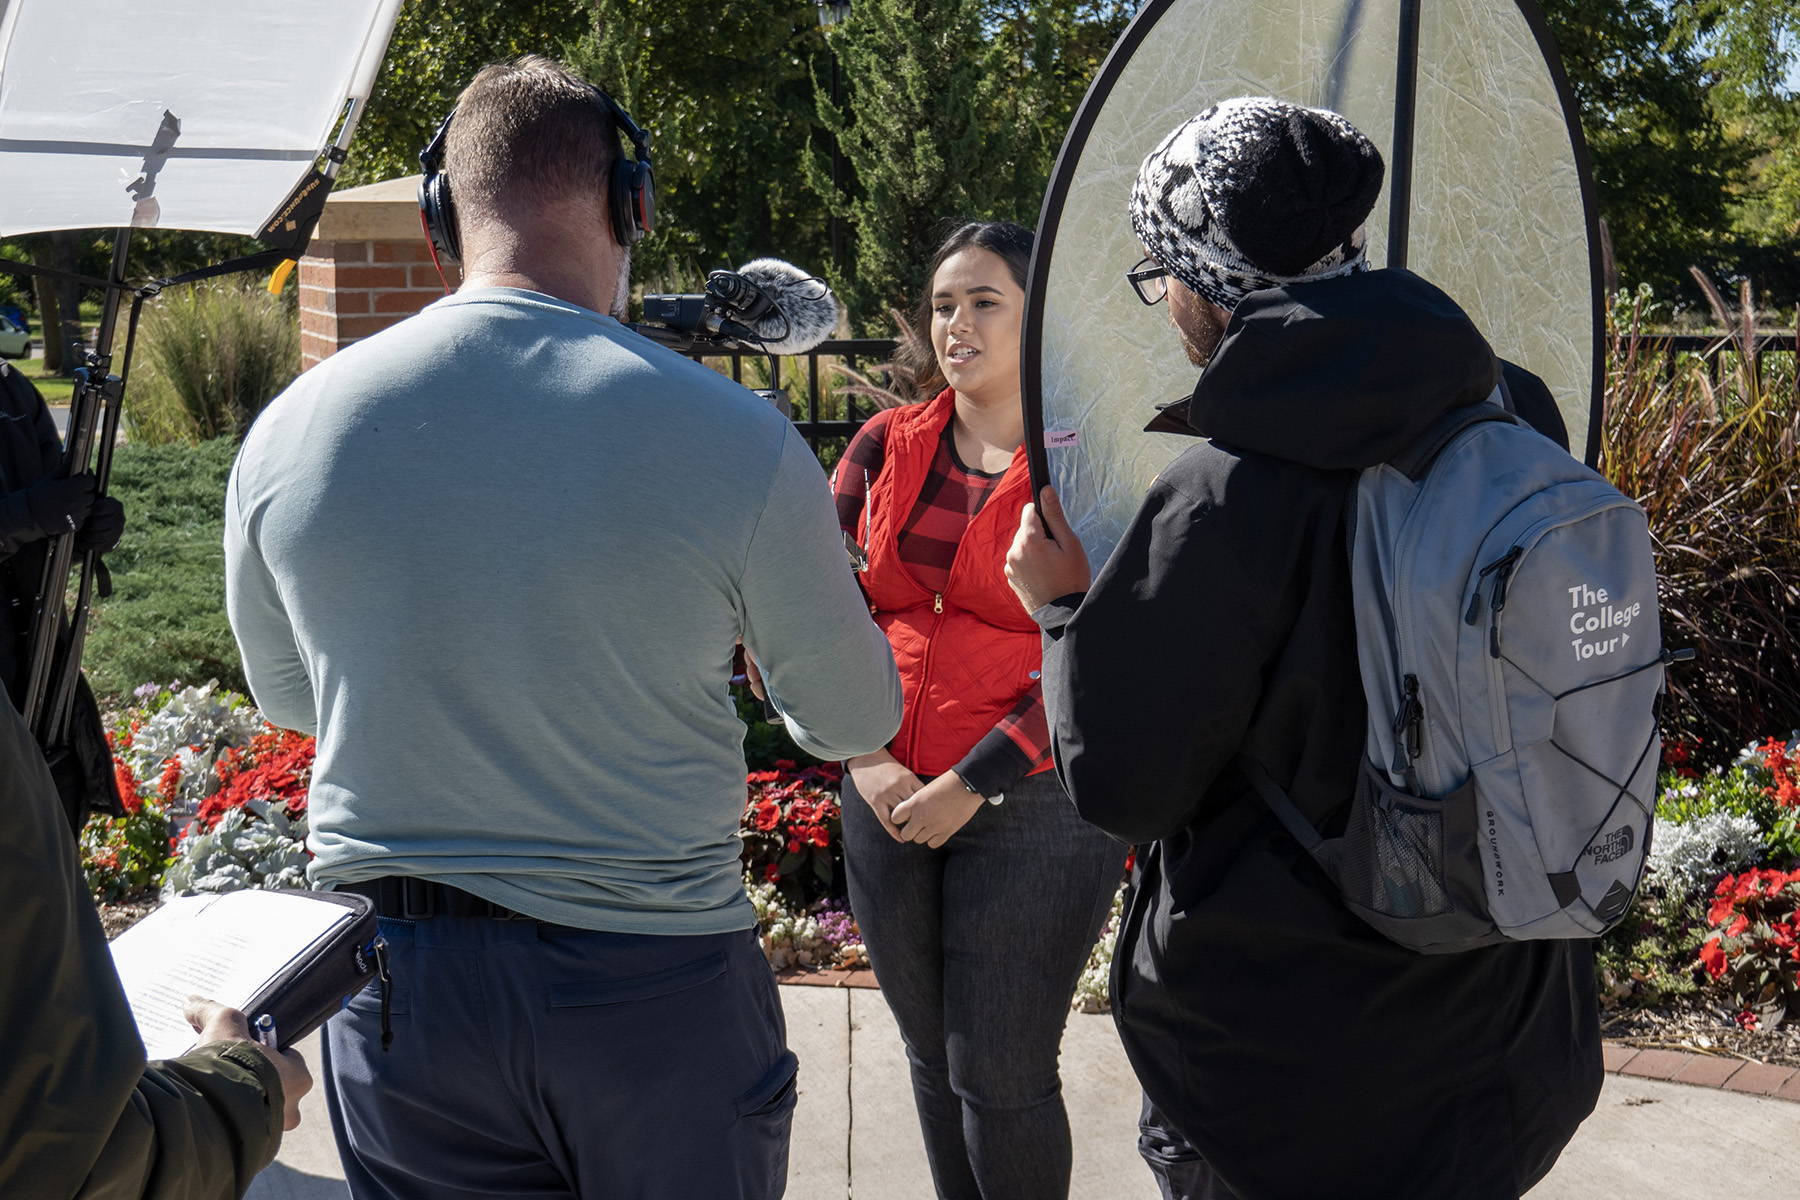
point(978, 946)
point(538, 1060)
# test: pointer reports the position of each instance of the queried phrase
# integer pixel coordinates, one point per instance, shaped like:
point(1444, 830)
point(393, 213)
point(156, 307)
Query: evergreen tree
point(1665, 166)
point(725, 93)
point(909, 129)
point(1043, 56)
point(1751, 48)
point(952, 111)
point(437, 47)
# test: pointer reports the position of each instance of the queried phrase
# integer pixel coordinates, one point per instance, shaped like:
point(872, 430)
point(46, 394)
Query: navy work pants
point(537, 1060)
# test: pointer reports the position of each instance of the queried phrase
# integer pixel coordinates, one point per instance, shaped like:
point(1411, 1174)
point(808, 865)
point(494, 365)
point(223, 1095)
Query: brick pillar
point(368, 267)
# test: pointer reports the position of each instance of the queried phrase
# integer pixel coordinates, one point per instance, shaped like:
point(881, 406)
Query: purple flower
point(836, 925)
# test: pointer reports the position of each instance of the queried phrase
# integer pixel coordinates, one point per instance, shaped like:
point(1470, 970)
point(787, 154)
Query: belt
point(405, 898)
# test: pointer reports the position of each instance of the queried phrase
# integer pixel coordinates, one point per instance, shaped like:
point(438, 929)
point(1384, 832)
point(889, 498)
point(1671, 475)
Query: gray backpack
point(1512, 659)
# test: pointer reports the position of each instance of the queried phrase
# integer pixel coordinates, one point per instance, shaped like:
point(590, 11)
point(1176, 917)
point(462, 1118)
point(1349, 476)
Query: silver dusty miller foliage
point(240, 853)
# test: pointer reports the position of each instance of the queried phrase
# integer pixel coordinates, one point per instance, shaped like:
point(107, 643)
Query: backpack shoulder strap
point(1292, 819)
point(1417, 458)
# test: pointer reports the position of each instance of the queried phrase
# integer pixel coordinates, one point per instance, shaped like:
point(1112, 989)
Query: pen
point(265, 1030)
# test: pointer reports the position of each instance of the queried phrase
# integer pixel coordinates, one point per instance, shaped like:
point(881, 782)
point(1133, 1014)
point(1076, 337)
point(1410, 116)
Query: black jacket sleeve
point(1154, 681)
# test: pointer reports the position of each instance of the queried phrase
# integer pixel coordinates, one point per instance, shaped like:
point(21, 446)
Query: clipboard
point(293, 954)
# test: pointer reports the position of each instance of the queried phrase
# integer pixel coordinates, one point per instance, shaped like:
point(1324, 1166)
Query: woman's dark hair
point(915, 355)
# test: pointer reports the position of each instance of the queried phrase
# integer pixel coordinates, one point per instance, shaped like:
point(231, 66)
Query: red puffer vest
point(967, 654)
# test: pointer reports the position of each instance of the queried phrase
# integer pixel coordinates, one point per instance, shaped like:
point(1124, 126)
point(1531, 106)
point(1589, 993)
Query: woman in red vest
point(978, 890)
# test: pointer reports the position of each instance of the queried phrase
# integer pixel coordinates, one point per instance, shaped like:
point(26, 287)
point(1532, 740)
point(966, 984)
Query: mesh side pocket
point(1393, 852)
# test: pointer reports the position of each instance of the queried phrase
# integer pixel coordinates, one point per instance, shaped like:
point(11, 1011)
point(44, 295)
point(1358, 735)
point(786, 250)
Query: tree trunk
point(49, 324)
point(68, 299)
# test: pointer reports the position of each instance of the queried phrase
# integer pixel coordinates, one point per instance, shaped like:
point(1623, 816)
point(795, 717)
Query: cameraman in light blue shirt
point(498, 557)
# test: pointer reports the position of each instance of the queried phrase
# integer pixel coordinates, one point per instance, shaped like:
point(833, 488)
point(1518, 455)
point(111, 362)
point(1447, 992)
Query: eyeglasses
point(1149, 281)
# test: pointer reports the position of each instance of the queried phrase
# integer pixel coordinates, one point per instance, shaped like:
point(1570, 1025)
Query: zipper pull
point(1504, 562)
point(1501, 569)
point(937, 602)
point(1408, 728)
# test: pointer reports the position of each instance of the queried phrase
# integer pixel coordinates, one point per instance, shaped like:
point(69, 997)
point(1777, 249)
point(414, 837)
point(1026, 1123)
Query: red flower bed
point(1755, 948)
point(275, 766)
point(1785, 790)
point(792, 830)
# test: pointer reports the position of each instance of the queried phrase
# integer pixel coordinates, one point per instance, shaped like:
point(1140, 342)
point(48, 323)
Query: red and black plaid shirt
point(949, 499)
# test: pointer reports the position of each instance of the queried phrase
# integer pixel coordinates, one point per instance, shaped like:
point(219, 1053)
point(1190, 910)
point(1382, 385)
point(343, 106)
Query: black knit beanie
point(1255, 193)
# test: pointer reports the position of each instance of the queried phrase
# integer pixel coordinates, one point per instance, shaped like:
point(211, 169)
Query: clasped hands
point(1041, 568)
point(910, 809)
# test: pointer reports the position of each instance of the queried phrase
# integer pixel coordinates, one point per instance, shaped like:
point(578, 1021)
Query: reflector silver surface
point(1500, 216)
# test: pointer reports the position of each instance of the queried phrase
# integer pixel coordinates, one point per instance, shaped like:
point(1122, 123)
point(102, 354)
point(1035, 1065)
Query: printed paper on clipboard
point(238, 948)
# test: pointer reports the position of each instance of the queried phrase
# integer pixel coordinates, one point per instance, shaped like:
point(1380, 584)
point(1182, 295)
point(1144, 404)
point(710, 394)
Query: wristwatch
point(970, 788)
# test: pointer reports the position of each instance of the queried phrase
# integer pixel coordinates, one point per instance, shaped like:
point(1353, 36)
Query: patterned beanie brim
point(1257, 193)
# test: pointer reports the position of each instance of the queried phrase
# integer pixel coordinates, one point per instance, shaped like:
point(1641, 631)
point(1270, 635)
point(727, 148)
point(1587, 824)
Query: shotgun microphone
point(767, 305)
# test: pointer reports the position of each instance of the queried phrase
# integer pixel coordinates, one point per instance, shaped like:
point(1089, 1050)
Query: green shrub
point(166, 618)
point(209, 358)
point(1714, 465)
point(1649, 958)
point(122, 856)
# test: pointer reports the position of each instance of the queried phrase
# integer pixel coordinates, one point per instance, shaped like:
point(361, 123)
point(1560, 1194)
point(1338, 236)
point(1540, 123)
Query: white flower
point(240, 853)
point(194, 726)
point(1688, 856)
point(1752, 755)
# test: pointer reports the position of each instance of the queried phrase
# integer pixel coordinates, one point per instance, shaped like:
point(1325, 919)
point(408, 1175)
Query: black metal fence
point(1722, 357)
point(1721, 351)
point(807, 420)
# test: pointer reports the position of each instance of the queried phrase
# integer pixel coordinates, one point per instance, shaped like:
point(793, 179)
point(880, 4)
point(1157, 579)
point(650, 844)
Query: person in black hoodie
point(1285, 1048)
point(37, 503)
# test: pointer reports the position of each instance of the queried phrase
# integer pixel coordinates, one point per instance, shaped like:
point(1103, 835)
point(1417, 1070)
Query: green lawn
point(56, 391)
point(166, 617)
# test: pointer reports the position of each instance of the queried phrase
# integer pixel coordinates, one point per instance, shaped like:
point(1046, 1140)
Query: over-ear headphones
point(631, 192)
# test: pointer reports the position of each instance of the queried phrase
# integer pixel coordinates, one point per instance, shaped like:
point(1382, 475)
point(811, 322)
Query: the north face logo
point(1615, 845)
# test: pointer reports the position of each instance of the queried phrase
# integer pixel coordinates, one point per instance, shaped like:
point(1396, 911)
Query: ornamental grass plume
point(213, 356)
point(1714, 466)
point(906, 373)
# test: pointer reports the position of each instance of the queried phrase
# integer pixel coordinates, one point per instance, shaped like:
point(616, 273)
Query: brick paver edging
point(1703, 1070)
point(860, 977)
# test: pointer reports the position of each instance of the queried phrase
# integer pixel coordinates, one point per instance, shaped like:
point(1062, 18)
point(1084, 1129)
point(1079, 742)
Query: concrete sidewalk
point(856, 1136)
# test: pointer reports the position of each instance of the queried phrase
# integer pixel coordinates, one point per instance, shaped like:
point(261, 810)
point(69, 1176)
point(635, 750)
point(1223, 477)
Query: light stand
point(96, 388)
point(94, 420)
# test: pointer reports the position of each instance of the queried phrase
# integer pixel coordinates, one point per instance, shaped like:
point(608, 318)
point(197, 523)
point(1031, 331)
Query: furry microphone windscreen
point(809, 308)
